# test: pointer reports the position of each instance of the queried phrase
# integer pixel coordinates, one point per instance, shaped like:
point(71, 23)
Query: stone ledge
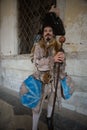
point(73, 54)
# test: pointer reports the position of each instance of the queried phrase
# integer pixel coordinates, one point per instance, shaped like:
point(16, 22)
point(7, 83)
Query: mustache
point(47, 34)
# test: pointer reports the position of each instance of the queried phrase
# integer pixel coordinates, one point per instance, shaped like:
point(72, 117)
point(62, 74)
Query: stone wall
point(8, 27)
point(76, 25)
point(16, 68)
point(77, 68)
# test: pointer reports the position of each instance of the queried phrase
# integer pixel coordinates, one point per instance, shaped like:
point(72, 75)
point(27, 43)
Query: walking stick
point(59, 31)
point(62, 40)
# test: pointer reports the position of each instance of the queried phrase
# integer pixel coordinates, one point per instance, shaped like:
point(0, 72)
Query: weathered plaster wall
point(74, 16)
point(8, 29)
point(0, 40)
point(14, 69)
point(0, 26)
point(76, 25)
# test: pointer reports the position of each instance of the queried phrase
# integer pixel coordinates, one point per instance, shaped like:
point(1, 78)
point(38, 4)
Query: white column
point(8, 29)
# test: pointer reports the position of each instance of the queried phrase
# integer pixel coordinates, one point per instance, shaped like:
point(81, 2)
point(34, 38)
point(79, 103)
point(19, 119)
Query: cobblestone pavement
point(61, 120)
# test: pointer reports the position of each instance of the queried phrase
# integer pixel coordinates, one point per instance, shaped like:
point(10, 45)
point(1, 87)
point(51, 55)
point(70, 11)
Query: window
point(30, 14)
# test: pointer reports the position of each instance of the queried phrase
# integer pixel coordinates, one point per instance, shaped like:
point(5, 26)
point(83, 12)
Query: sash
point(67, 90)
point(33, 96)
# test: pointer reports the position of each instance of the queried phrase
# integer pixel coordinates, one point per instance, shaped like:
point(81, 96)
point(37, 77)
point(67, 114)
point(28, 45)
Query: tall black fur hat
point(55, 22)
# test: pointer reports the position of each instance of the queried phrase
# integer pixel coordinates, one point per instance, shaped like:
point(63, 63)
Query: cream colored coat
point(45, 63)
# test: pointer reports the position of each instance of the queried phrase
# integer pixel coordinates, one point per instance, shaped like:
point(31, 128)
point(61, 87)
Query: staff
point(61, 40)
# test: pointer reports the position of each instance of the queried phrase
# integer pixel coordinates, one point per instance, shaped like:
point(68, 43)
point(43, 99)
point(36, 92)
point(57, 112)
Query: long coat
point(44, 62)
point(46, 72)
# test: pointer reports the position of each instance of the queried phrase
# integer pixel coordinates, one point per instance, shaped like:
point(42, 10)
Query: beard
point(48, 37)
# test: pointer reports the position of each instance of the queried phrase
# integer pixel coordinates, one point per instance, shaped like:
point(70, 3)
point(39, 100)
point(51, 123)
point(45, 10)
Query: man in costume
point(47, 55)
point(49, 60)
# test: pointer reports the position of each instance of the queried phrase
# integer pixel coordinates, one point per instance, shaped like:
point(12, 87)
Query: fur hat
point(55, 22)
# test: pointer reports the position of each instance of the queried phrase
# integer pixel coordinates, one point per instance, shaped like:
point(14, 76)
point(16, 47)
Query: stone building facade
point(14, 68)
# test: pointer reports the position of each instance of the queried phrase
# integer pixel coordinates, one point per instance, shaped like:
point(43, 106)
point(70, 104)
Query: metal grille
point(30, 14)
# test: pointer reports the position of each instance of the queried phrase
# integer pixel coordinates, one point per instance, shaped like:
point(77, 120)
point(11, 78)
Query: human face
point(48, 33)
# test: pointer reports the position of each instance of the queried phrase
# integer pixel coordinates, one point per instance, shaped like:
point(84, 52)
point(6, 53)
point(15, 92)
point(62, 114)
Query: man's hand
point(59, 57)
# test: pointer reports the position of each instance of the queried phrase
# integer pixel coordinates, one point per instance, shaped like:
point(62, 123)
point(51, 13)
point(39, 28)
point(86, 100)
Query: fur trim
point(53, 44)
